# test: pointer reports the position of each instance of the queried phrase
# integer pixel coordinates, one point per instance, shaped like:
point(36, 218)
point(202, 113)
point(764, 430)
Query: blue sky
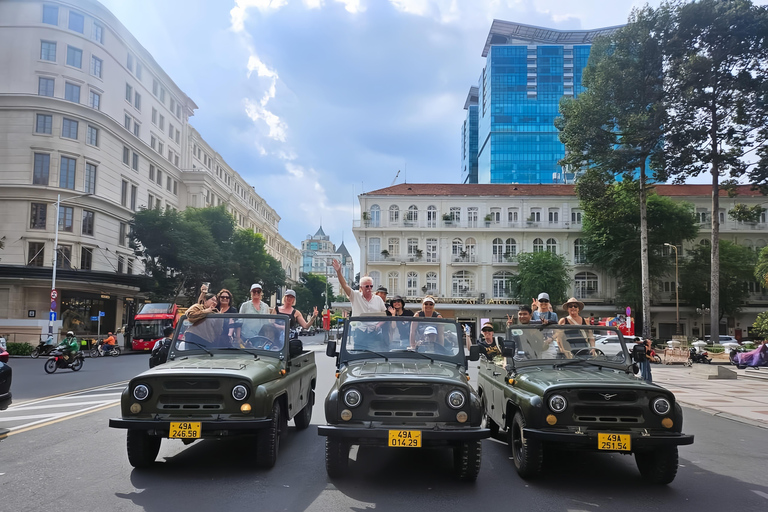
point(314, 101)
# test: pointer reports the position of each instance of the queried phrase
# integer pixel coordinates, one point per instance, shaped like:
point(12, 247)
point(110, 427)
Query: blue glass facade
point(469, 146)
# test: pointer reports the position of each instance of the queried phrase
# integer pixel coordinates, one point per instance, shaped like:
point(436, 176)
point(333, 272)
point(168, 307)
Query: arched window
point(394, 214)
point(431, 283)
point(376, 276)
point(375, 216)
point(393, 282)
point(552, 245)
point(412, 284)
point(538, 245)
point(502, 284)
point(431, 245)
point(498, 250)
point(462, 284)
point(457, 247)
point(585, 285)
point(374, 249)
point(469, 248)
point(412, 216)
point(431, 216)
point(393, 246)
point(578, 251)
point(472, 213)
point(510, 249)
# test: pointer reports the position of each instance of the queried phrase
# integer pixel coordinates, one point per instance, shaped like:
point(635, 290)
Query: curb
point(725, 415)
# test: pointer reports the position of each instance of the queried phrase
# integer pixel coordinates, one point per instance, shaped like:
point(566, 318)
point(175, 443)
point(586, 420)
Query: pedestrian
point(397, 308)
point(3, 345)
point(542, 309)
point(255, 306)
point(225, 301)
point(524, 316)
point(364, 302)
point(160, 350)
point(640, 352)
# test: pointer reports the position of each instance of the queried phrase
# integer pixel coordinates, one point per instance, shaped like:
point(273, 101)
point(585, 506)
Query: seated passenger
point(487, 343)
point(432, 343)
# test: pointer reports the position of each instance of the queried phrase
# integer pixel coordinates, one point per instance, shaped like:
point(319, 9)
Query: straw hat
point(573, 300)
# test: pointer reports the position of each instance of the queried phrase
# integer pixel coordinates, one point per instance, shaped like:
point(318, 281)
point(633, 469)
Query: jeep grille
point(190, 384)
point(404, 408)
point(199, 402)
point(609, 414)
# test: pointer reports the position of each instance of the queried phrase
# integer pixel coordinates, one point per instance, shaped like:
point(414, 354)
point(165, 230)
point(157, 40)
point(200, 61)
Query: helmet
point(70, 333)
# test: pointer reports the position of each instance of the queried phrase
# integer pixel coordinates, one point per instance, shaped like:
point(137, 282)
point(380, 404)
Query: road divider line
point(81, 413)
point(34, 400)
point(60, 405)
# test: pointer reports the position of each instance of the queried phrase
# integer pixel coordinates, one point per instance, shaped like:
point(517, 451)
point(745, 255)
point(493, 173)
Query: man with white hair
point(364, 302)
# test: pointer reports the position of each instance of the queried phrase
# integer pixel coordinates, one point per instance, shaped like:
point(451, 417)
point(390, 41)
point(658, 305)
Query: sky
point(316, 101)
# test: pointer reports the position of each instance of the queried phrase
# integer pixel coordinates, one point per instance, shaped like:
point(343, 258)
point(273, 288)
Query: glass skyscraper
point(528, 70)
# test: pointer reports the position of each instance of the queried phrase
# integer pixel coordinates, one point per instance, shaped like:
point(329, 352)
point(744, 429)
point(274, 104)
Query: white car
point(611, 346)
point(723, 339)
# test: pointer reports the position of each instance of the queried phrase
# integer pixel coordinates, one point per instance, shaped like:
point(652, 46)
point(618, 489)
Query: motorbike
point(56, 360)
point(42, 349)
point(95, 352)
point(694, 356)
point(654, 357)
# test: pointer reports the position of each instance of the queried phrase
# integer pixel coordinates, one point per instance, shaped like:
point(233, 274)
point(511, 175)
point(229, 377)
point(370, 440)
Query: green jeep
point(553, 387)
point(402, 383)
point(226, 375)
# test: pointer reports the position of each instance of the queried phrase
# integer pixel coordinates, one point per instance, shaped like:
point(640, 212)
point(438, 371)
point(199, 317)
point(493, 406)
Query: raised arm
point(342, 281)
point(308, 322)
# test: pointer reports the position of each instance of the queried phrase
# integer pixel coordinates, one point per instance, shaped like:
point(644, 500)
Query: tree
point(611, 233)
point(760, 326)
point(717, 80)
point(313, 287)
point(761, 268)
point(541, 272)
point(737, 267)
point(615, 127)
point(252, 264)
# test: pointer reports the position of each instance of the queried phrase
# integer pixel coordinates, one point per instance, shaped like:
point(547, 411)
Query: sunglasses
point(572, 306)
point(367, 286)
point(225, 297)
point(544, 301)
point(487, 330)
point(256, 291)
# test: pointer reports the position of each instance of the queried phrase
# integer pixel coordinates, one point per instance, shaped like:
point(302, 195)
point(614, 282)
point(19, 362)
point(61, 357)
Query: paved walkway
point(742, 399)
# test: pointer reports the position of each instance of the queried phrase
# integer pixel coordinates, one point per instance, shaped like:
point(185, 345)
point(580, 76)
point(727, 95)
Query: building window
point(431, 283)
point(393, 246)
point(455, 214)
point(175, 183)
point(497, 250)
point(411, 284)
point(431, 217)
point(76, 21)
point(552, 245)
point(74, 57)
point(92, 135)
point(45, 86)
point(155, 87)
point(126, 156)
point(38, 216)
point(89, 184)
point(160, 177)
point(160, 147)
point(122, 234)
point(96, 64)
point(151, 172)
point(124, 193)
point(130, 260)
point(431, 250)
point(136, 128)
point(97, 34)
point(535, 216)
point(495, 214)
point(510, 249)
point(66, 214)
point(393, 282)
point(36, 254)
point(138, 70)
point(42, 168)
point(137, 101)
point(134, 191)
point(554, 215)
point(64, 256)
point(576, 216)
point(48, 51)
point(94, 100)
point(127, 122)
point(579, 255)
point(412, 247)
point(128, 93)
point(51, 14)
point(462, 284)
point(374, 249)
point(457, 247)
point(513, 215)
point(86, 258)
point(69, 128)
point(502, 284)
point(472, 214)
point(586, 285)
point(44, 124)
point(72, 92)
point(170, 130)
point(67, 173)
point(162, 96)
point(178, 111)
point(120, 264)
point(538, 245)
point(177, 137)
point(129, 63)
point(375, 216)
point(161, 124)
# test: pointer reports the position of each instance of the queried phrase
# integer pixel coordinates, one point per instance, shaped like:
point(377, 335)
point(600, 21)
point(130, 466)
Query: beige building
point(88, 116)
point(457, 242)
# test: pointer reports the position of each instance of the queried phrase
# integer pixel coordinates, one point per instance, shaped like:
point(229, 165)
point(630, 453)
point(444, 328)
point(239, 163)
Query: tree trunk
point(645, 274)
point(714, 312)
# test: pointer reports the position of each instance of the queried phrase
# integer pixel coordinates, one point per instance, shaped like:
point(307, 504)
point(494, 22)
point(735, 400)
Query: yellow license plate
point(614, 442)
point(405, 438)
point(185, 430)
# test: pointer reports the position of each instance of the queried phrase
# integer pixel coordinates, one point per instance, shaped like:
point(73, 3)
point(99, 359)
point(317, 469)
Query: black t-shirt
point(488, 350)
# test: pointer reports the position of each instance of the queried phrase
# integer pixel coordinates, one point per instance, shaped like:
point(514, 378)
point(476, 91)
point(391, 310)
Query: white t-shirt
point(362, 307)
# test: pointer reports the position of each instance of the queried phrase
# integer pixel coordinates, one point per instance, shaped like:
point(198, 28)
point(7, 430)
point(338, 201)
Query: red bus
point(150, 322)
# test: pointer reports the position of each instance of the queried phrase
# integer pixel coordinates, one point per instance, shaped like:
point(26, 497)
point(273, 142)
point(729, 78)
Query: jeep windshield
point(267, 333)
point(567, 344)
point(397, 337)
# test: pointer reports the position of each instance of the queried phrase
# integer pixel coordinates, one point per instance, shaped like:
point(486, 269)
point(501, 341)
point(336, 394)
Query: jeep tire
point(658, 466)
point(527, 454)
point(336, 457)
point(142, 448)
point(466, 460)
point(268, 439)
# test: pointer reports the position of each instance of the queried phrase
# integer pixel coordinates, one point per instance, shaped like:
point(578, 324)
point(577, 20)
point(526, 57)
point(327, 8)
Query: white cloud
point(313, 4)
point(352, 6)
point(239, 14)
point(257, 112)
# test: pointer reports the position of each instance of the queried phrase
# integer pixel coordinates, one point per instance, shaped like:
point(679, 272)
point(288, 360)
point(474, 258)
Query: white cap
point(543, 295)
point(255, 286)
point(290, 293)
point(430, 330)
point(428, 298)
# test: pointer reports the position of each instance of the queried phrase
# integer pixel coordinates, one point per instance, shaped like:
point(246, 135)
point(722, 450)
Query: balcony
point(441, 224)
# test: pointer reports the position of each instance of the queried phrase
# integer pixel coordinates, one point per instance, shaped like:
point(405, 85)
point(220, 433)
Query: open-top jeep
point(226, 375)
point(402, 382)
point(553, 387)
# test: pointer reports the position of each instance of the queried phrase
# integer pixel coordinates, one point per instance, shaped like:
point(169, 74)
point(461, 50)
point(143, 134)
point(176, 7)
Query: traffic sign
point(94, 318)
point(53, 304)
point(52, 316)
point(54, 294)
point(629, 311)
point(101, 313)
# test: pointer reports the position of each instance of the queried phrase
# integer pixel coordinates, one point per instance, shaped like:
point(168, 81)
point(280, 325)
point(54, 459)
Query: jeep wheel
point(658, 466)
point(336, 457)
point(142, 448)
point(466, 460)
point(304, 417)
point(527, 454)
point(268, 439)
point(491, 425)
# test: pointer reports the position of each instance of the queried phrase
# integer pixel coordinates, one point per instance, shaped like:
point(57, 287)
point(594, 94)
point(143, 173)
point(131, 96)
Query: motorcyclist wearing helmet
point(69, 346)
point(109, 343)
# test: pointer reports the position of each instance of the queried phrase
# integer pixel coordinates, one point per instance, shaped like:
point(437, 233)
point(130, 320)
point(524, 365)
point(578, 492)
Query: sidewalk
point(742, 399)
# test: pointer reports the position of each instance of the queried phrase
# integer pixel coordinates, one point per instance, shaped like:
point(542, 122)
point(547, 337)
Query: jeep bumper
point(379, 435)
point(209, 428)
point(639, 441)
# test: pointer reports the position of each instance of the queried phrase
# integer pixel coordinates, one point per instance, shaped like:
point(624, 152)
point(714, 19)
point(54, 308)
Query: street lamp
point(677, 296)
point(56, 257)
point(703, 311)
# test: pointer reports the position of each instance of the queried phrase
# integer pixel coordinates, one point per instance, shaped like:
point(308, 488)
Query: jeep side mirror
point(474, 352)
point(635, 368)
point(508, 348)
point(330, 349)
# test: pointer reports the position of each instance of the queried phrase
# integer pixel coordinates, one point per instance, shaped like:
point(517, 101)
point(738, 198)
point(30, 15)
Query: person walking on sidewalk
point(640, 352)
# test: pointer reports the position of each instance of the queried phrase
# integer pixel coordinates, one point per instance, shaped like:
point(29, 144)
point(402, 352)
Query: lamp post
point(703, 311)
point(677, 296)
point(54, 294)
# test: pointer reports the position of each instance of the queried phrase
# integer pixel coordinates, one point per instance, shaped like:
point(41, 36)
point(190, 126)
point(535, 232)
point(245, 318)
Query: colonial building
point(458, 242)
point(92, 129)
point(317, 253)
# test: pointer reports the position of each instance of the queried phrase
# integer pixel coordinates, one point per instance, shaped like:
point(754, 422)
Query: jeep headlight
point(239, 392)
point(558, 403)
point(455, 399)
point(352, 397)
point(661, 406)
point(141, 392)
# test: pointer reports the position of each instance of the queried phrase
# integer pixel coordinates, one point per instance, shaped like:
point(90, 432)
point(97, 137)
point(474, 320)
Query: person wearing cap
point(427, 311)
point(432, 341)
point(109, 343)
point(381, 291)
point(289, 299)
point(255, 306)
point(364, 302)
point(576, 338)
point(543, 309)
point(487, 343)
point(397, 308)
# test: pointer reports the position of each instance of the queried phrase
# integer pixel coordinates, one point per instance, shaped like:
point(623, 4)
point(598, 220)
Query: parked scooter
point(43, 348)
point(694, 356)
point(56, 360)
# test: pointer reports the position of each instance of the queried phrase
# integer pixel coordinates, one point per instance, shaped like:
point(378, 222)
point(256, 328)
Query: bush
point(19, 349)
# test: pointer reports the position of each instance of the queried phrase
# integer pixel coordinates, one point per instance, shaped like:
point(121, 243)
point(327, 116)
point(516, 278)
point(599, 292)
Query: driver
point(431, 343)
point(69, 346)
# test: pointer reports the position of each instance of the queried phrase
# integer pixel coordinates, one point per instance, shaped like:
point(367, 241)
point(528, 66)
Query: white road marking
point(761, 493)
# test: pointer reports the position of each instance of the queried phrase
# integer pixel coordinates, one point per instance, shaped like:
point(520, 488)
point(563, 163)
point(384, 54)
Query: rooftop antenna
point(394, 180)
point(405, 177)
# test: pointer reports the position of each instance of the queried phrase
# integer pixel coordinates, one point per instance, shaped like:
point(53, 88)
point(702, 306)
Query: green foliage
point(737, 266)
point(761, 268)
point(19, 349)
point(760, 325)
point(744, 213)
point(311, 293)
point(541, 272)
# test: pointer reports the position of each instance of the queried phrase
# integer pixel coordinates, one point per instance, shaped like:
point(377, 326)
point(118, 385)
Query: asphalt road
point(76, 462)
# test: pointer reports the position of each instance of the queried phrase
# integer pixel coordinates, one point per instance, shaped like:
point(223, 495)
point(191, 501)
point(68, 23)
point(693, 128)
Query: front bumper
point(380, 435)
point(209, 428)
point(639, 440)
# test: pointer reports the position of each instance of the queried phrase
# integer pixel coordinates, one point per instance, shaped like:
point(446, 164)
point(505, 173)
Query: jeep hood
point(546, 378)
point(402, 370)
point(257, 370)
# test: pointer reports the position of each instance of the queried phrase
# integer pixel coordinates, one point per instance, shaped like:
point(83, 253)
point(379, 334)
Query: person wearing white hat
point(289, 299)
point(255, 306)
point(576, 338)
point(543, 309)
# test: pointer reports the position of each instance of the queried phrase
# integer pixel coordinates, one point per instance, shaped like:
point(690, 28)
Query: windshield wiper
point(199, 345)
point(592, 362)
point(372, 352)
point(417, 353)
point(254, 354)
